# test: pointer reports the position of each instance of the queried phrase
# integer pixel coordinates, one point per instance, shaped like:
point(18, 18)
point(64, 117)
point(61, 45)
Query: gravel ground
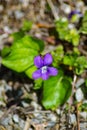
point(19, 105)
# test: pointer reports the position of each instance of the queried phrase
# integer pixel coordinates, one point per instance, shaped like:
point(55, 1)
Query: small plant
point(48, 71)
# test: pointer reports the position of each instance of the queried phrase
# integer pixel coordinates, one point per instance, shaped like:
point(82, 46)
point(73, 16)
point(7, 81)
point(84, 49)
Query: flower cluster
point(44, 70)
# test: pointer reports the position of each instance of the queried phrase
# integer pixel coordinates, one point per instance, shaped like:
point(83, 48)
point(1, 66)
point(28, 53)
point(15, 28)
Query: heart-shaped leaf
point(29, 42)
point(56, 91)
point(20, 59)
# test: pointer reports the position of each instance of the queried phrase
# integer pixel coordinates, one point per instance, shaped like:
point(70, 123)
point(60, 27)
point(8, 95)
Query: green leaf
point(83, 28)
point(27, 25)
point(38, 83)
point(57, 55)
point(69, 59)
point(5, 51)
point(29, 42)
point(70, 35)
point(30, 71)
point(17, 35)
point(20, 59)
point(56, 91)
point(62, 28)
point(80, 64)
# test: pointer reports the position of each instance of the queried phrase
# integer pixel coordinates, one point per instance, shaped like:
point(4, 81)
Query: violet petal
point(36, 74)
point(48, 59)
point(52, 71)
point(38, 61)
point(75, 12)
point(45, 76)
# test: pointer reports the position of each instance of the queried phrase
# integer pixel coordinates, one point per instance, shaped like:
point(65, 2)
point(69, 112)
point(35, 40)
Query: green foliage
point(70, 35)
point(86, 82)
point(83, 107)
point(20, 59)
point(38, 83)
point(30, 71)
point(22, 54)
point(69, 59)
point(17, 35)
point(56, 91)
point(80, 64)
point(58, 55)
point(5, 51)
point(27, 25)
point(83, 28)
point(28, 42)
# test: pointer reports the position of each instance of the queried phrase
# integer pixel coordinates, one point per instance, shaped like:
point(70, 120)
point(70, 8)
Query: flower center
point(44, 69)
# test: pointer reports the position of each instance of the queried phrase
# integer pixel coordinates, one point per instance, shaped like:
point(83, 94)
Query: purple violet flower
point(44, 70)
point(75, 12)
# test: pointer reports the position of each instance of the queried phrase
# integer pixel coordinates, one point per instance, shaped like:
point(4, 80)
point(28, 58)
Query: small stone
point(84, 115)
point(72, 119)
point(16, 118)
point(66, 8)
point(5, 122)
point(58, 111)
point(25, 104)
point(71, 26)
point(21, 123)
point(52, 117)
point(34, 104)
point(79, 95)
point(1, 8)
point(19, 14)
point(79, 82)
point(7, 29)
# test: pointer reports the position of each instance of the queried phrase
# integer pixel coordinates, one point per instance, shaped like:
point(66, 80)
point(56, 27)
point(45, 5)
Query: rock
point(16, 118)
point(58, 111)
point(25, 104)
point(1, 8)
point(66, 8)
point(71, 26)
point(72, 119)
point(84, 115)
point(79, 95)
point(79, 82)
point(21, 123)
point(52, 117)
point(18, 14)
point(83, 126)
point(5, 122)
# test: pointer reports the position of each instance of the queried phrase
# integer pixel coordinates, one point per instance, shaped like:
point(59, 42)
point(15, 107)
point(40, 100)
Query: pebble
point(16, 118)
point(83, 126)
point(72, 119)
point(5, 122)
point(71, 26)
point(58, 111)
point(84, 115)
point(35, 105)
point(79, 95)
point(18, 14)
point(66, 8)
point(24, 104)
point(1, 8)
point(52, 117)
point(21, 123)
point(7, 29)
point(79, 82)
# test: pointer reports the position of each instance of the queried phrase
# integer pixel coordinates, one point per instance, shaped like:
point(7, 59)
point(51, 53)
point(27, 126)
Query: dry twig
point(55, 13)
point(27, 124)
